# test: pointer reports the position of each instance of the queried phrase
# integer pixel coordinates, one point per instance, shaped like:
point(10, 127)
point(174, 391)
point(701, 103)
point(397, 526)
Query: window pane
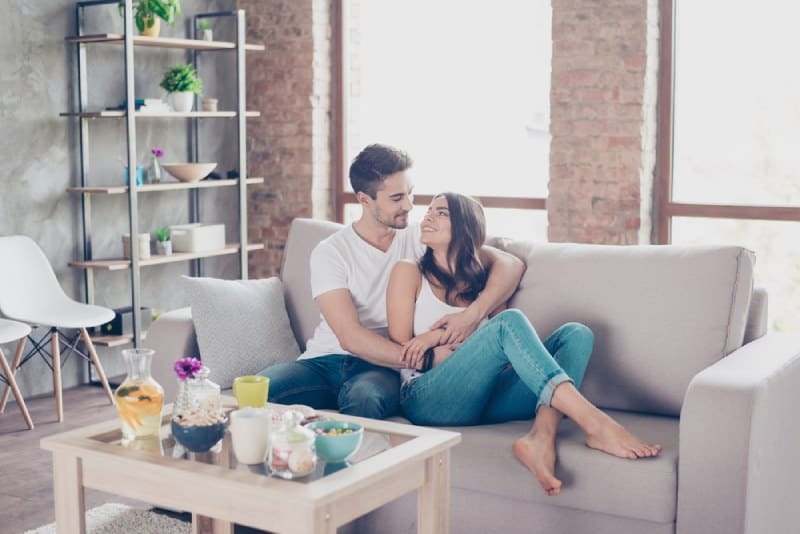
point(737, 122)
point(500, 222)
point(777, 258)
point(460, 85)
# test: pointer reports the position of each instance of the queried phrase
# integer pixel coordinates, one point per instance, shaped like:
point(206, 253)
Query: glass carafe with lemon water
point(139, 398)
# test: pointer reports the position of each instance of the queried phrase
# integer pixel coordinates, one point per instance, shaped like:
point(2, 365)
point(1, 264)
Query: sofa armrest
point(739, 431)
point(172, 337)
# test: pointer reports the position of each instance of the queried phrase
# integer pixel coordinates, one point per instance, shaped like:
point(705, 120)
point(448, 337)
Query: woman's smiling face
point(435, 226)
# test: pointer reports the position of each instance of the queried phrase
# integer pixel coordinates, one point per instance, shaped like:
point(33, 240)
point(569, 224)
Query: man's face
point(392, 201)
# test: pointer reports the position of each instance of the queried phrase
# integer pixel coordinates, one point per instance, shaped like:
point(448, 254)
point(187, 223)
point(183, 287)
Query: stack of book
point(153, 105)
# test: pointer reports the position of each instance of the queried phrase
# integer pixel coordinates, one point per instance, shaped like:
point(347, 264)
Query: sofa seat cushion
point(660, 314)
point(594, 481)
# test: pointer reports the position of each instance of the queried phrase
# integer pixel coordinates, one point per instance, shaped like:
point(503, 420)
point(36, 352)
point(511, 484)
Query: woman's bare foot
point(609, 436)
point(538, 453)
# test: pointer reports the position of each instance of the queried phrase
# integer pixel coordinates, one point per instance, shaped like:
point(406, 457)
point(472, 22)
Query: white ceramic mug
point(250, 429)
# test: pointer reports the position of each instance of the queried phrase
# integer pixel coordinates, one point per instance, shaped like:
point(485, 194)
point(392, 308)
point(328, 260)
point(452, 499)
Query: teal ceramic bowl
point(198, 438)
point(336, 447)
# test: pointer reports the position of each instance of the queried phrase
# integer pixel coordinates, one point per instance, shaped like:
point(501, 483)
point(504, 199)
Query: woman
point(503, 371)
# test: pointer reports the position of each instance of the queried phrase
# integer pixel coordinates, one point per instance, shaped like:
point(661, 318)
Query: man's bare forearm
point(373, 348)
point(504, 277)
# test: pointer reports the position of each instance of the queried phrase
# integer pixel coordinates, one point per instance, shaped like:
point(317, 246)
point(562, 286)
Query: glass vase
point(139, 398)
point(153, 170)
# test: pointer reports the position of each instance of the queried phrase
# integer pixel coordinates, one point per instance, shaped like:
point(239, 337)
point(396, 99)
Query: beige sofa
point(682, 358)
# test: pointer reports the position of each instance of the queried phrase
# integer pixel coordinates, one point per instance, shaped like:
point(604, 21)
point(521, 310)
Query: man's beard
point(392, 222)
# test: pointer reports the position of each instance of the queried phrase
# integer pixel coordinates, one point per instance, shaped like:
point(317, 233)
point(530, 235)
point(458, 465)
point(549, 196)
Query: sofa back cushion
point(660, 314)
point(304, 234)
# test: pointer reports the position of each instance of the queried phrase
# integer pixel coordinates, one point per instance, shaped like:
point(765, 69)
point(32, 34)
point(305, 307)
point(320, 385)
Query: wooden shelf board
point(113, 341)
point(119, 264)
point(160, 42)
point(116, 114)
point(165, 186)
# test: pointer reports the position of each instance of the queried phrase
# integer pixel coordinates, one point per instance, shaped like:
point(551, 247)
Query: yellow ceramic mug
point(251, 390)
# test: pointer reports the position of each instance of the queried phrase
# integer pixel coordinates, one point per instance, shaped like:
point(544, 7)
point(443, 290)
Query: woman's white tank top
point(429, 308)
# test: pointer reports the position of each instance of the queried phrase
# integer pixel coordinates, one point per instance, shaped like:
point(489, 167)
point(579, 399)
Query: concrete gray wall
point(40, 155)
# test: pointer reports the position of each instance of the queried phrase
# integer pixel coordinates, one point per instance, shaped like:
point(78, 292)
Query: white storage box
point(197, 237)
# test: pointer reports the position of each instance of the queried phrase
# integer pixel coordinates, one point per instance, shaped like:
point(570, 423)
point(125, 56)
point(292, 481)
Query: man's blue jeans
point(501, 372)
point(336, 381)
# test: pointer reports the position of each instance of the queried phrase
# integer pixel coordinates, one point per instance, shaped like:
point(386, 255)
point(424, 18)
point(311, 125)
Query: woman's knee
point(514, 318)
point(579, 333)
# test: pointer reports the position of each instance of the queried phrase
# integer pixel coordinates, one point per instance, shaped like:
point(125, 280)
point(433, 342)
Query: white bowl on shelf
point(189, 172)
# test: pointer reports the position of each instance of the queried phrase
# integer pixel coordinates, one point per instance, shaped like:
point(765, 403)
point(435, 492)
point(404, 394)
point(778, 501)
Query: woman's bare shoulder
point(406, 267)
point(406, 271)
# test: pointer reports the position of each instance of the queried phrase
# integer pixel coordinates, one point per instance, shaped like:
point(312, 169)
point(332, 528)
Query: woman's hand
point(414, 349)
point(458, 326)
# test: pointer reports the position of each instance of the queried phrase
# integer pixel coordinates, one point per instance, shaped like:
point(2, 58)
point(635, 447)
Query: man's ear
point(363, 198)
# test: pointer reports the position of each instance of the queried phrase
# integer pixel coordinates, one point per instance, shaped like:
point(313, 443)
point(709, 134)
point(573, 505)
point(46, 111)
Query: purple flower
point(187, 367)
point(157, 152)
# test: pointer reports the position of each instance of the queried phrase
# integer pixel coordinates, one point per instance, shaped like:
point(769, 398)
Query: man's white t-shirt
point(344, 260)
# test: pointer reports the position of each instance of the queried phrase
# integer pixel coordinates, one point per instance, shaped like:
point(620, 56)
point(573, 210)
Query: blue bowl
point(198, 438)
point(335, 448)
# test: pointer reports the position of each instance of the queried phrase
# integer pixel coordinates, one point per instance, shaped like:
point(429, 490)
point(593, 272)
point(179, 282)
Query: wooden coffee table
point(394, 459)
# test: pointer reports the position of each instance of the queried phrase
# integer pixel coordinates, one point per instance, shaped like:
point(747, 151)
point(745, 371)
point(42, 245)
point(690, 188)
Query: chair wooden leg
point(56, 349)
point(12, 383)
point(96, 361)
point(14, 367)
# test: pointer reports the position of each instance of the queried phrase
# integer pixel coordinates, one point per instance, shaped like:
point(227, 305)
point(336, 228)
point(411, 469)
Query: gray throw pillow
point(241, 325)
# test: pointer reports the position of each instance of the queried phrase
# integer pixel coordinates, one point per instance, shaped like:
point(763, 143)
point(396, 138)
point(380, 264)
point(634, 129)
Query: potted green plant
point(182, 83)
point(204, 27)
point(163, 243)
point(148, 14)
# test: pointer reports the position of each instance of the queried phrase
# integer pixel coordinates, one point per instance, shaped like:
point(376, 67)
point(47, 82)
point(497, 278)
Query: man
point(349, 363)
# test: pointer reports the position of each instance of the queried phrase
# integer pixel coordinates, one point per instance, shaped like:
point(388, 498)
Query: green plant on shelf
point(162, 234)
point(182, 78)
point(146, 11)
point(203, 24)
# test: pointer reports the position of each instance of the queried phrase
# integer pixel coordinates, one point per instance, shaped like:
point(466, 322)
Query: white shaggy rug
point(114, 518)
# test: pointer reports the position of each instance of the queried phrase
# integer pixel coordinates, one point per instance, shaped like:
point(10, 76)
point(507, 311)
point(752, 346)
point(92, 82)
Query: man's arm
point(339, 312)
point(505, 272)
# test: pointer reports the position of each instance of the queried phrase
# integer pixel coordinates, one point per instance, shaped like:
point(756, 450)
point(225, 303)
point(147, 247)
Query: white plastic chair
point(13, 331)
point(30, 293)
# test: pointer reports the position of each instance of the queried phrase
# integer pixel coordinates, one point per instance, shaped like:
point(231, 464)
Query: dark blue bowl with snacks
point(198, 438)
point(336, 441)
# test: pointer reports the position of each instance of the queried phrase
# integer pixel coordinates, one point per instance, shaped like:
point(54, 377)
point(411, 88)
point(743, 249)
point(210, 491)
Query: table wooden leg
point(68, 493)
point(208, 525)
point(433, 498)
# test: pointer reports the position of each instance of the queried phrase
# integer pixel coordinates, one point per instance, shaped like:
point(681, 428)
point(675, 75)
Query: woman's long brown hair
point(467, 234)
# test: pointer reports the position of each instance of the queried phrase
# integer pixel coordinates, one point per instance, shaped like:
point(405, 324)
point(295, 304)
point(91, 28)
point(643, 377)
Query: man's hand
point(458, 326)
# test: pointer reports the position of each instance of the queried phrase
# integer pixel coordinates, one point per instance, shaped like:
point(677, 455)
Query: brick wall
point(289, 144)
point(602, 120)
point(601, 99)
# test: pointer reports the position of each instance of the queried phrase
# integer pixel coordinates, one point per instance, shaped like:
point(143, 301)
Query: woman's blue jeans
point(502, 372)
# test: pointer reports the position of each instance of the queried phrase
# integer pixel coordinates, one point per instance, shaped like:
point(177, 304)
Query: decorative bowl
point(189, 172)
point(198, 438)
point(336, 447)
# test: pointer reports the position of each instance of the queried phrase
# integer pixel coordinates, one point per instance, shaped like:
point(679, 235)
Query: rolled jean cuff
point(546, 395)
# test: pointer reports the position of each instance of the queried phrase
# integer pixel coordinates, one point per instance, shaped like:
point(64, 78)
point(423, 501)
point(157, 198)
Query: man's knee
point(373, 397)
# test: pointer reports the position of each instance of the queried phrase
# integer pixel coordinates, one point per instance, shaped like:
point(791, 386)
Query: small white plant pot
point(182, 101)
point(164, 248)
point(207, 35)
